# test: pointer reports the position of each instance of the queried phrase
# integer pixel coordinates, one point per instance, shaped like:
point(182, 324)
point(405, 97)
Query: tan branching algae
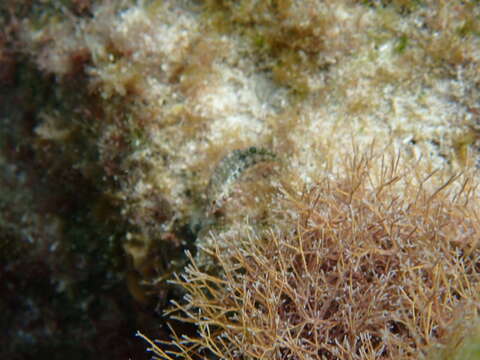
point(373, 265)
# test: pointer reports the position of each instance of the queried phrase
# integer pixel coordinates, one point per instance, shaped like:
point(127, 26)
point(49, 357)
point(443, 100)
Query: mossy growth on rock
point(463, 342)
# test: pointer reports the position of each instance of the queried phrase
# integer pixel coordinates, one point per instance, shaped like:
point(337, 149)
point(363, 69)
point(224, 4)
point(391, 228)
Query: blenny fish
point(229, 170)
